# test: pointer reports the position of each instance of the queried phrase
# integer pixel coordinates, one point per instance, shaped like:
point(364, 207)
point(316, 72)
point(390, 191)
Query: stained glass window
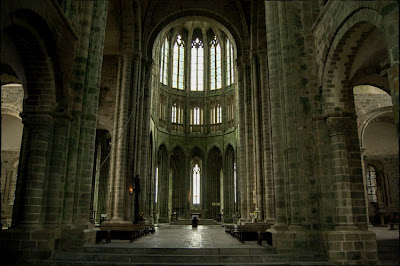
point(371, 184)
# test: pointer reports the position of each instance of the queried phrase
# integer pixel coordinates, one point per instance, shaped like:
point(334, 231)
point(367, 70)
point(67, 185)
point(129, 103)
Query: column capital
point(36, 119)
point(338, 125)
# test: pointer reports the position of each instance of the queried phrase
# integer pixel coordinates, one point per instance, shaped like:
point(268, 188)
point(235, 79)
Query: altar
point(201, 213)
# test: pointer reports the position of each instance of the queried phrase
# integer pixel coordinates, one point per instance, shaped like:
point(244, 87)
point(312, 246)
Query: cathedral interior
point(243, 111)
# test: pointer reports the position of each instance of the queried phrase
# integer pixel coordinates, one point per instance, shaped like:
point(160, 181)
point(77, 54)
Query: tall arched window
point(196, 184)
point(371, 184)
point(174, 113)
point(196, 116)
point(215, 65)
point(178, 64)
point(229, 63)
point(197, 70)
point(164, 63)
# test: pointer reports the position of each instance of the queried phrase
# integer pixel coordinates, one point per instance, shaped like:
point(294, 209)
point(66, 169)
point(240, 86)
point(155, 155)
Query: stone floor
point(214, 236)
point(184, 236)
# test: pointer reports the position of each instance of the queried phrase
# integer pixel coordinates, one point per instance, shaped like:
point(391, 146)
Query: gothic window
point(178, 64)
point(229, 63)
point(219, 114)
point(215, 65)
point(174, 113)
point(196, 184)
point(164, 63)
point(216, 114)
point(197, 68)
point(197, 116)
point(371, 184)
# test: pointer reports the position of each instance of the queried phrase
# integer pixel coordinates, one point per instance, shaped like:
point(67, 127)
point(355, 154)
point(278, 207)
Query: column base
point(27, 245)
point(350, 247)
point(295, 240)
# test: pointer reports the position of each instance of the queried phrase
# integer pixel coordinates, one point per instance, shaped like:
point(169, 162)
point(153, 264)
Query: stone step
point(192, 256)
point(181, 251)
point(107, 263)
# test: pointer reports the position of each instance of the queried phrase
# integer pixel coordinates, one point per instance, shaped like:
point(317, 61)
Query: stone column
point(277, 119)
point(32, 177)
point(114, 137)
point(256, 139)
point(242, 184)
point(89, 113)
point(337, 127)
point(269, 204)
point(57, 176)
point(146, 171)
point(80, 67)
point(120, 189)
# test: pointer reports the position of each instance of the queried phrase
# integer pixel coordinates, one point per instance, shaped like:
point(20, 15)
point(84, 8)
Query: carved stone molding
point(44, 120)
point(338, 125)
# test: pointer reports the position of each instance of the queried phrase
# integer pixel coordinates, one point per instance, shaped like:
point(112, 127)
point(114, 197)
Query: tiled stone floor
point(184, 236)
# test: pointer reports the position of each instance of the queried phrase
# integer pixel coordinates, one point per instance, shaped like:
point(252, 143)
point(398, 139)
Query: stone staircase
point(182, 256)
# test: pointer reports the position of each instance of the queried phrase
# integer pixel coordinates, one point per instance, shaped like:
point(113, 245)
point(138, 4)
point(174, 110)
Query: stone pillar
point(277, 118)
point(242, 177)
point(120, 189)
point(55, 195)
point(145, 147)
point(89, 113)
point(256, 139)
point(269, 203)
point(80, 67)
point(337, 127)
point(32, 177)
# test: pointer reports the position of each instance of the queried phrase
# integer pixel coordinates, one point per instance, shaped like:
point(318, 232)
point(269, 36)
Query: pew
point(249, 232)
point(122, 231)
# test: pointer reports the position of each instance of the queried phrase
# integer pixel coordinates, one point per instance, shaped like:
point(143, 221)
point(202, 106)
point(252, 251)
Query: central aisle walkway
point(184, 236)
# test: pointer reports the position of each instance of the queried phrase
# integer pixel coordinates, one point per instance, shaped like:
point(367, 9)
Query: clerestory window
point(197, 116)
point(178, 64)
point(197, 67)
point(229, 63)
point(215, 65)
point(164, 63)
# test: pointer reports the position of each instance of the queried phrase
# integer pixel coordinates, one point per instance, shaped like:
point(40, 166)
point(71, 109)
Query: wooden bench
point(123, 232)
point(248, 232)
